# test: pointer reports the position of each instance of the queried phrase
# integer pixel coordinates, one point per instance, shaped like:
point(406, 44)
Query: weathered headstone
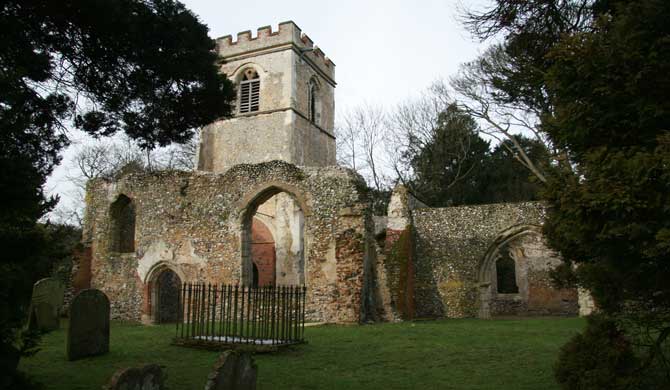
point(233, 371)
point(46, 316)
point(149, 377)
point(88, 330)
point(46, 303)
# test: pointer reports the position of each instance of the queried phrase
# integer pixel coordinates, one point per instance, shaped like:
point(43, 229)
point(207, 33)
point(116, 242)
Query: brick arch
point(263, 254)
point(247, 207)
point(488, 263)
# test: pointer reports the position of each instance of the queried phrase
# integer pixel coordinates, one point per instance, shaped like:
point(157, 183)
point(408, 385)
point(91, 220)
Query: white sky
point(384, 51)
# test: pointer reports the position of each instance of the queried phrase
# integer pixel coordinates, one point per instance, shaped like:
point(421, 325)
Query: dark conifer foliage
point(456, 166)
point(598, 74)
point(146, 68)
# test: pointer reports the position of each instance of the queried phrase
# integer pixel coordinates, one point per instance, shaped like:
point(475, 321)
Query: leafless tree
point(361, 143)
point(411, 125)
point(110, 158)
point(178, 156)
point(476, 95)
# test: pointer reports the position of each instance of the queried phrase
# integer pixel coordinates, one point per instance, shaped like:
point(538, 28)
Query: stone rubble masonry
point(396, 258)
point(191, 223)
point(587, 305)
point(452, 248)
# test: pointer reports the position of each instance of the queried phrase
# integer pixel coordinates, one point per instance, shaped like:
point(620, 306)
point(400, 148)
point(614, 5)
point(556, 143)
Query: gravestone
point(233, 371)
point(149, 377)
point(46, 303)
point(46, 317)
point(88, 330)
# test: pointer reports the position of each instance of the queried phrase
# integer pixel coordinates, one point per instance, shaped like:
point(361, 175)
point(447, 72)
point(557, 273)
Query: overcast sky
point(384, 51)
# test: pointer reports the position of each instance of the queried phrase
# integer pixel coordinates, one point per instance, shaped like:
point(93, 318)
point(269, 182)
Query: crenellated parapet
point(288, 36)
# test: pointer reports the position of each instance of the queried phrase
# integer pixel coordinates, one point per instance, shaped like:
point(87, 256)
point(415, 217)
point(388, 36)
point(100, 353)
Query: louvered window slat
point(255, 95)
point(250, 95)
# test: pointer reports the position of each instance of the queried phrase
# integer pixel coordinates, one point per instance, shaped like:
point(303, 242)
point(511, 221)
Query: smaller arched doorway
point(165, 287)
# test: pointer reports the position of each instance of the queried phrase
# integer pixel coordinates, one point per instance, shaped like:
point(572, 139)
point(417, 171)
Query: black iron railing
point(232, 314)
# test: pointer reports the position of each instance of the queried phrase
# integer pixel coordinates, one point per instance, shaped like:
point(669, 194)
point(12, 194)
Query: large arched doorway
point(273, 240)
point(166, 289)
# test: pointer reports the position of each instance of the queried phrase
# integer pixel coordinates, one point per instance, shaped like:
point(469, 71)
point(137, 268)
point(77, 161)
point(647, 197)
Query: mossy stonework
point(400, 270)
point(191, 223)
point(457, 249)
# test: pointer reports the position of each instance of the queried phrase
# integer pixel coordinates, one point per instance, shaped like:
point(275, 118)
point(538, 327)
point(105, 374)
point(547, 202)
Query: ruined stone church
point(267, 205)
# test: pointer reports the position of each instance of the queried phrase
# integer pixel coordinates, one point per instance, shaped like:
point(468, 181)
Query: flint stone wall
point(452, 244)
point(191, 222)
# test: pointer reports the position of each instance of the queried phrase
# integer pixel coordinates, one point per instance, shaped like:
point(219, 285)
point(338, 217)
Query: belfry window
point(313, 101)
point(250, 91)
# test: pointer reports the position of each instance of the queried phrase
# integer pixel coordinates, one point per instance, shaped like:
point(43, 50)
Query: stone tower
point(285, 102)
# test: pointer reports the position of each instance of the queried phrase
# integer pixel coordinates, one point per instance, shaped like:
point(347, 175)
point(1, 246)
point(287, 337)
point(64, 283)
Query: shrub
point(599, 358)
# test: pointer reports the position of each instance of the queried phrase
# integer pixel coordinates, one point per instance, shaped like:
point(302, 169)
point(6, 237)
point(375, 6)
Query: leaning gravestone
point(149, 377)
point(88, 331)
point(233, 371)
point(46, 303)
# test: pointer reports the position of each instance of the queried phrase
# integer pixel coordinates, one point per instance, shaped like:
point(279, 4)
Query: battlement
point(289, 35)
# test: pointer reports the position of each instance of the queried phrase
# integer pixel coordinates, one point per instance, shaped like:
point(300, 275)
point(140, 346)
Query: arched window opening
point(314, 103)
point(122, 216)
point(250, 91)
point(506, 273)
point(273, 240)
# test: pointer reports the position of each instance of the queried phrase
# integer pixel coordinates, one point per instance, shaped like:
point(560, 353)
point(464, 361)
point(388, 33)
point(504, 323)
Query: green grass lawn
point(446, 354)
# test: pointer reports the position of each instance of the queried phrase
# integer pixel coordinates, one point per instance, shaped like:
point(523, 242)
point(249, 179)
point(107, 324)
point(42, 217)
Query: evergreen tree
point(611, 216)
point(505, 179)
point(146, 68)
point(447, 167)
point(598, 73)
point(456, 167)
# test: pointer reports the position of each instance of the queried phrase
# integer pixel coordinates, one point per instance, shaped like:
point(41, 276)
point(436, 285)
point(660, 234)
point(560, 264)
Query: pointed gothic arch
point(290, 263)
point(487, 274)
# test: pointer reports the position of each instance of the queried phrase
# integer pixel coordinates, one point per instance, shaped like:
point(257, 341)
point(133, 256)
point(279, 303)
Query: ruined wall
point(192, 223)
point(391, 297)
point(455, 247)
